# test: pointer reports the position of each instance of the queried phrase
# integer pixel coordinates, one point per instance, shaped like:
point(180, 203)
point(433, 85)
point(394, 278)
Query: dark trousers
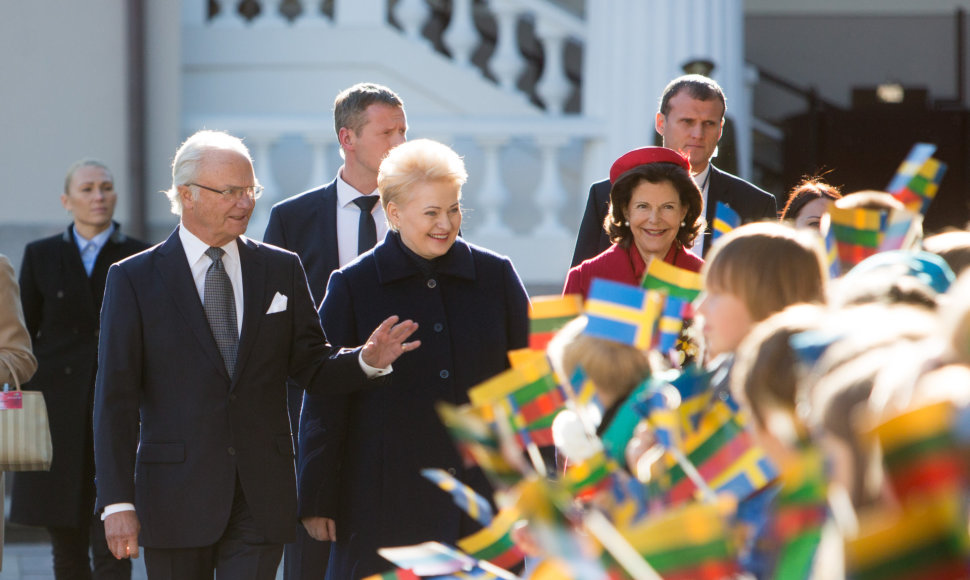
point(306, 558)
point(70, 547)
point(240, 554)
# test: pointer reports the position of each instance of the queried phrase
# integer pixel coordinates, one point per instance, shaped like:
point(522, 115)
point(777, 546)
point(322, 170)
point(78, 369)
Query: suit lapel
point(172, 271)
point(73, 269)
point(328, 219)
point(254, 297)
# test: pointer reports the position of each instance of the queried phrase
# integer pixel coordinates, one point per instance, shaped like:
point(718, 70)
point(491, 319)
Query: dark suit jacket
point(172, 431)
point(61, 309)
point(751, 203)
point(365, 450)
point(307, 225)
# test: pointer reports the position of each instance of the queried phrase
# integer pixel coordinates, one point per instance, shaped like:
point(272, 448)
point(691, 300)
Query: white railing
point(553, 27)
point(534, 222)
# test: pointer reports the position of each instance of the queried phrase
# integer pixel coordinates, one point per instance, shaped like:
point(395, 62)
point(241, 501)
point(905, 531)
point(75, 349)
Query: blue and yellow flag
point(622, 313)
point(725, 220)
point(476, 506)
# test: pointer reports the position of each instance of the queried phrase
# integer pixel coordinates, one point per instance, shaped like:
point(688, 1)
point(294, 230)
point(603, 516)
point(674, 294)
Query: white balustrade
point(553, 87)
point(412, 15)
point(493, 195)
point(229, 16)
point(506, 62)
point(549, 196)
point(461, 36)
point(320, 171)
point(270, 15)
point(311, 14)
point(262, 143)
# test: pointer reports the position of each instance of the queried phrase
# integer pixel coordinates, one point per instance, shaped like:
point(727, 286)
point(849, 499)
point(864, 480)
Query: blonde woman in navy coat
point(362, 453)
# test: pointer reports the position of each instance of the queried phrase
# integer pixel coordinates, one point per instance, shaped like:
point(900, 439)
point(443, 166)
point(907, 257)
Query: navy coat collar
point(394, 264)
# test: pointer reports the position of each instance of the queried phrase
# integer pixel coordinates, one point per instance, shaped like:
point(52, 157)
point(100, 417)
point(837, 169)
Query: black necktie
point(366, 228)
point(220, 308)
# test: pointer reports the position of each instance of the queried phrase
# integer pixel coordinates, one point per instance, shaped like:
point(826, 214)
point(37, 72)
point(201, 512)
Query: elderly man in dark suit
point(329, 227)
point(62, 285)
point(199, 336)
point(690, 120)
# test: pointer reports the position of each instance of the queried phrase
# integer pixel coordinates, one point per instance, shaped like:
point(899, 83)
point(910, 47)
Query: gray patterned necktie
point(220, 308)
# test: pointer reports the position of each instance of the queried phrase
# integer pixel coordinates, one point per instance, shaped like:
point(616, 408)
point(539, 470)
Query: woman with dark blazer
point(362, 454)
point(62, 285)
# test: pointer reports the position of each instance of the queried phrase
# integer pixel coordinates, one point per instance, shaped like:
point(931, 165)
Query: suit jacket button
point(67, 370)
point(444, 374)
point(232, 451)
point(60, 294)
point(232, 397)
point(452, 471)
point(432, 283)
point(438, 327)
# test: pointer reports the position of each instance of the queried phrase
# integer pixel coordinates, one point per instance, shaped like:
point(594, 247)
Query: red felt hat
point(643, 156)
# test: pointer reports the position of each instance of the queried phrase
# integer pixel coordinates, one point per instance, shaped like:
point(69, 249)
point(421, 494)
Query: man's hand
point(386, 343)
point(320, 529)
point(121, 532)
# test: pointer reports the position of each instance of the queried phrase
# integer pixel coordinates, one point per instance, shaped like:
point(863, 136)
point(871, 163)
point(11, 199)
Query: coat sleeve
point(15, 349)
point(517, 308)
point(589, 241)
point(576, 282)
point(323, 421)
point(274, 229)
point(117, 391)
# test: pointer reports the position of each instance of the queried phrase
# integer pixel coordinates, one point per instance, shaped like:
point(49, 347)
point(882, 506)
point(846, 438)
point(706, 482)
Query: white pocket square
point(278, 304)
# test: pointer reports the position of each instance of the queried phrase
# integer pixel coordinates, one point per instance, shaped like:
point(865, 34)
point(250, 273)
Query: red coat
point(623, 265)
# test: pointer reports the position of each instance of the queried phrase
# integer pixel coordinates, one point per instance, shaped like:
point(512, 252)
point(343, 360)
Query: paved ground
point(32, 561)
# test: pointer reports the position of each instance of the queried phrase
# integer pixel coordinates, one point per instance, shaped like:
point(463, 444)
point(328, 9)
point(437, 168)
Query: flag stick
point(619, 547)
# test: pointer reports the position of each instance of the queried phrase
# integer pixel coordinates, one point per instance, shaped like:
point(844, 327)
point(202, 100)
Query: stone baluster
point(553, 87)
point(550, 195)
point(311, 14)
point(271, 15)
point(360, 12)
point(493, 195)
point(229, 16)
point(461, 36)
point(320, 171)
point(506, 61)
point(261, 144)
point(411, 15)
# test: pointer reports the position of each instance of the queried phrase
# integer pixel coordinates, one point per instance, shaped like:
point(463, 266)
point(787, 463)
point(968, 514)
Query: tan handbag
point(25, 435)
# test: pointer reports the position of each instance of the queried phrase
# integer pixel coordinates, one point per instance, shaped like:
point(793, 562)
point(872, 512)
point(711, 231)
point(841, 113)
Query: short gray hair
point(79, 164)
point(185, 167)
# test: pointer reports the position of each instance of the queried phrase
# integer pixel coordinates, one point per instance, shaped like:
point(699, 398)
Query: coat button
point(60, 294)
point(438, 327)
point(444, 374)
point(432, 283)
point(452, 471)
point(232, 451)
point(67, 370)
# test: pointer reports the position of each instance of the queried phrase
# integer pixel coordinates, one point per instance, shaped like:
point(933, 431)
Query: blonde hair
point(614, 368)
point(418, 161)
point(769, 266)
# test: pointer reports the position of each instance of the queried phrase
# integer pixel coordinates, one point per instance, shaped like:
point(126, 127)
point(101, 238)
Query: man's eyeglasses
point(235, 193)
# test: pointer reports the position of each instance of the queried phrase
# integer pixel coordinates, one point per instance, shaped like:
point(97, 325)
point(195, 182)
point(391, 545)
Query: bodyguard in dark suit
point(690, 120)
point(199, 335)
point(363, 452)
point(61, 285)
point(328, 227)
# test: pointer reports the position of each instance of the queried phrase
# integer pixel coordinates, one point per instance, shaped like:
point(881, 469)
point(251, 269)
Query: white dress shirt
point(703, 181)
point(348, 220)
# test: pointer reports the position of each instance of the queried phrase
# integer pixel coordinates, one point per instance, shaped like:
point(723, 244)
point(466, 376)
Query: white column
point(311, 14)
point(320, 172)
point(461, 37)
point(493, 195)
point(261, 144)
point(270, 15)
point(360, 12)
point(229, 16)
point(553, 87)
point(506, 61)
point(550, 195)
point(412, 14)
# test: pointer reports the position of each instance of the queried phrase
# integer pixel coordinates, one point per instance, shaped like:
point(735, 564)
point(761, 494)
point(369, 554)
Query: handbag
point(25, 435)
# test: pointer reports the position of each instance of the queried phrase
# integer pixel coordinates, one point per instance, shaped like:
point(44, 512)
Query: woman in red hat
point(655, 213)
